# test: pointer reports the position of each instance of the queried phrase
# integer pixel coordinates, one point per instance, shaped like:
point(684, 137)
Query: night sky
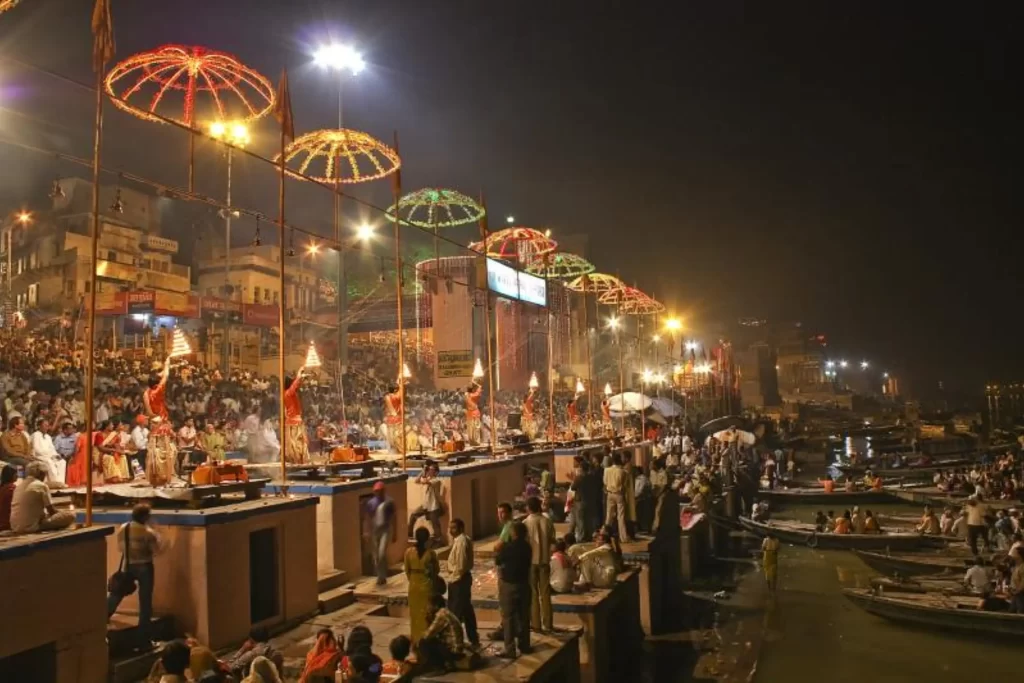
point(850, 167)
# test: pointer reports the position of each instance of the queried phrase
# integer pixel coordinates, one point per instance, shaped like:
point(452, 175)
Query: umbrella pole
point(622, 387)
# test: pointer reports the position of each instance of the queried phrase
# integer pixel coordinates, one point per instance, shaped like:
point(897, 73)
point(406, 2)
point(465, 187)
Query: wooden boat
point(799, 533)
point(958, 613)
point(818, 496)
point(913, 564)
point(907, 471)
point(929, 583)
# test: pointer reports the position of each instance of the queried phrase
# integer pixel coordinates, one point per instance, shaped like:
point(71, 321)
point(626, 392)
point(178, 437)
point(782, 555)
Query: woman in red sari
point(78, 468)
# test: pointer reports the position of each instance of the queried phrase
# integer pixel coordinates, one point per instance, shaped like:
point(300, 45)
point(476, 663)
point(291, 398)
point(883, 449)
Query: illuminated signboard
point(533, 289)
point(506, 281)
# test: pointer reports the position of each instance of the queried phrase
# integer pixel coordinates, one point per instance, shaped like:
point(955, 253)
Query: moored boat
point(816, 496)
point(799, 533)
point(929, 583)
point(913, 564)
point(934, 610)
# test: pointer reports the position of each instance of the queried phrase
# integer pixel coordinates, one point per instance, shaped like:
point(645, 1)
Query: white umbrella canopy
point(739, 435)
point(629, 402)
point(667, 407)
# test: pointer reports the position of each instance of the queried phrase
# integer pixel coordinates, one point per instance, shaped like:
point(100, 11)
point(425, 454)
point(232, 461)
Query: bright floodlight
point(364, 232)
point(673, 324)
point(843, 363)
point(24, 217)
point(340, 57)
point(659, 378)
point(217, 129)
point(613, 323)
point(510, 219)
point(235, 133)
point(648, 375)
point(312, 248)
point(885, 375)
point(863, 365)
point(656, 338)
point(691, 346)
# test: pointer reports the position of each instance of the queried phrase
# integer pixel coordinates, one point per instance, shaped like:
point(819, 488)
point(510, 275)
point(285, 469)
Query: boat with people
point(940, 611)
point(950, 584)
point(799, 533)
point(914, 564)
point(924, 470)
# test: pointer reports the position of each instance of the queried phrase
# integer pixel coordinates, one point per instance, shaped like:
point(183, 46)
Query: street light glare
point(691, 346)
point(673, 324)
point(313, 249)
point(24, 217)
point(364, 232)
point(240, 132)
point(656, 338)
point(217, 129)
point(843, 363)
point(863, 365)
point(510, 219)
point(340, 57)
point(613, 323)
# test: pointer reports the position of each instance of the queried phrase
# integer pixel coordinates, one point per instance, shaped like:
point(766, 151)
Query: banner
point(455, 363)
point(260, 315)
point(142, 301)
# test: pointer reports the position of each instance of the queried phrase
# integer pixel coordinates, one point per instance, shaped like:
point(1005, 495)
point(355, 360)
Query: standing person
point(615, 481)
point(298, 445)
point(155, 397)
point(585, 491)
point(504, 538)
point(513, 561)
point(381, 527)
point(459, 576)
point(430, 506)
point(422, 571)
point(770, 545)
point(138, 542)
point(473, 392)
point(770, 470)
point(976, 525)
point(540, 532)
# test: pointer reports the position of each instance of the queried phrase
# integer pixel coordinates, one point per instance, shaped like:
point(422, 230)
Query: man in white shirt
point(44, 451)
point(430, 506)
point(540, 532)
point(140, 440)
point(615, 482)
point(459, 576)
point(977, 579)
point(31, 507)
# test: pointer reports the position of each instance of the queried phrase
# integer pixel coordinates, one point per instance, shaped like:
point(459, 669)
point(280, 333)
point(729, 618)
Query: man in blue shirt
point(381, 527)
point(66, 441)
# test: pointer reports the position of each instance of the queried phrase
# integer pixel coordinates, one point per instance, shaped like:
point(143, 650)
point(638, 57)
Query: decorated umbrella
point(629, 402)
point(186, 82)
point(7, 4)
point(595, 283)
point(434, 207)
point(561, 266)
point(642, 305)
point(622, 296)
point(667, 407)
point(520, 245)
point(343, 156)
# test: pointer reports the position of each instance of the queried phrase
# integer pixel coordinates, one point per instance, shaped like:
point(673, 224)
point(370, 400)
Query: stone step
point(335, 599)
point(123, 633)
point(330, 578)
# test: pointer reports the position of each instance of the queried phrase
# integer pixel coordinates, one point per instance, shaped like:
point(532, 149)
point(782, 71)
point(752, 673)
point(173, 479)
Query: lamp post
point(232, 134)
point(340, 58)
point(614, 324)
point(22, 218)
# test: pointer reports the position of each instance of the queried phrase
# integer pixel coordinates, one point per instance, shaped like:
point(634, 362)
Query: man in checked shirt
point(459, 576)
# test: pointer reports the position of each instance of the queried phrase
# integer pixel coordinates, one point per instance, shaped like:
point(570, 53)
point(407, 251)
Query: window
point(209, 291)
point(111, 255)
point(275, 296)
point(87, 285)
point(255, 295)
point(266, 295)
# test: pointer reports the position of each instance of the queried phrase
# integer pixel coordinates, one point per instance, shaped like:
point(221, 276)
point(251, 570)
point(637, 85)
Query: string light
point(434, 207)
point(228, 88)
point(561, 266)
point(350, 156)
point(595, 283)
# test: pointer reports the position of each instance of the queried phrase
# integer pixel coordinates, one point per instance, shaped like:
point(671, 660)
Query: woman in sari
point(78, 467)
point(422, 571)
point(322, 660)
point(114, 461)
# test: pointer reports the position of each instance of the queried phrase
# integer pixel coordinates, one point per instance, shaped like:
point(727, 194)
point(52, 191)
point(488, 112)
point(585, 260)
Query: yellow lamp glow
point(580, 389)
point(608, 389)
point(478, 369)
point(673, 324)
point(534, 382)
point(312, 357)
point(179, 345)
point(406, 372)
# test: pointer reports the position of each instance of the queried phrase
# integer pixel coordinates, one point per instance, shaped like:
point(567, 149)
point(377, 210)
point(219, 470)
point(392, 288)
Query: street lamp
point(341, 58)
point(830, 364)
point(843, 363)
point(691, 346)
point(510, 219)
point(365, 232)
point(863, 365)
point(614, 325)
point(24, 217)
point(656, 338)
point(232, 134)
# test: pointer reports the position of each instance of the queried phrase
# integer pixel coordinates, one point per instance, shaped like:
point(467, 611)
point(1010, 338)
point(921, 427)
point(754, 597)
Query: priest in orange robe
point(297, 447)
point(473, 392)
point(393, 417)
point(155, 397)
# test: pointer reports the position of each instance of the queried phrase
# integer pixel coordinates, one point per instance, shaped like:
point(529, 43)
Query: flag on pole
point(102, 35)
point(283, 107)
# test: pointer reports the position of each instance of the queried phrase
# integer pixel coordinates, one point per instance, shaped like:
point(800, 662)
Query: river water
point(813, 633)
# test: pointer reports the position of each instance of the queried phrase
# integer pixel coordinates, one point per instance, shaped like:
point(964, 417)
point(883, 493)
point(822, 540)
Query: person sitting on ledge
point(322, 660)
point(442, 645)
point(600, 567)
point(31, 507)
point(174, 660)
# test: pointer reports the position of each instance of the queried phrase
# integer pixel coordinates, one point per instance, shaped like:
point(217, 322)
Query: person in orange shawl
point(155, 397)
point(473, 392)
point(393, 417)
point(78, 466)
point(322, 661)
point(529, 414)
point(297, 449)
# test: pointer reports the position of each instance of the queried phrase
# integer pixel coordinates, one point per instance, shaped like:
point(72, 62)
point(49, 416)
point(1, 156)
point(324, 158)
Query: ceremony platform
point(55, 598)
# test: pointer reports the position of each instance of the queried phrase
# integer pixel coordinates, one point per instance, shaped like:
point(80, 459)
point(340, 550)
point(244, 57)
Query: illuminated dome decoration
point(213, 85)
point(596, 283)
point(7, 4)
point(348, 156)
point(561, 266)
point(641, 304)
point(434, 207)
point(623, 296)
point(523, 245)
